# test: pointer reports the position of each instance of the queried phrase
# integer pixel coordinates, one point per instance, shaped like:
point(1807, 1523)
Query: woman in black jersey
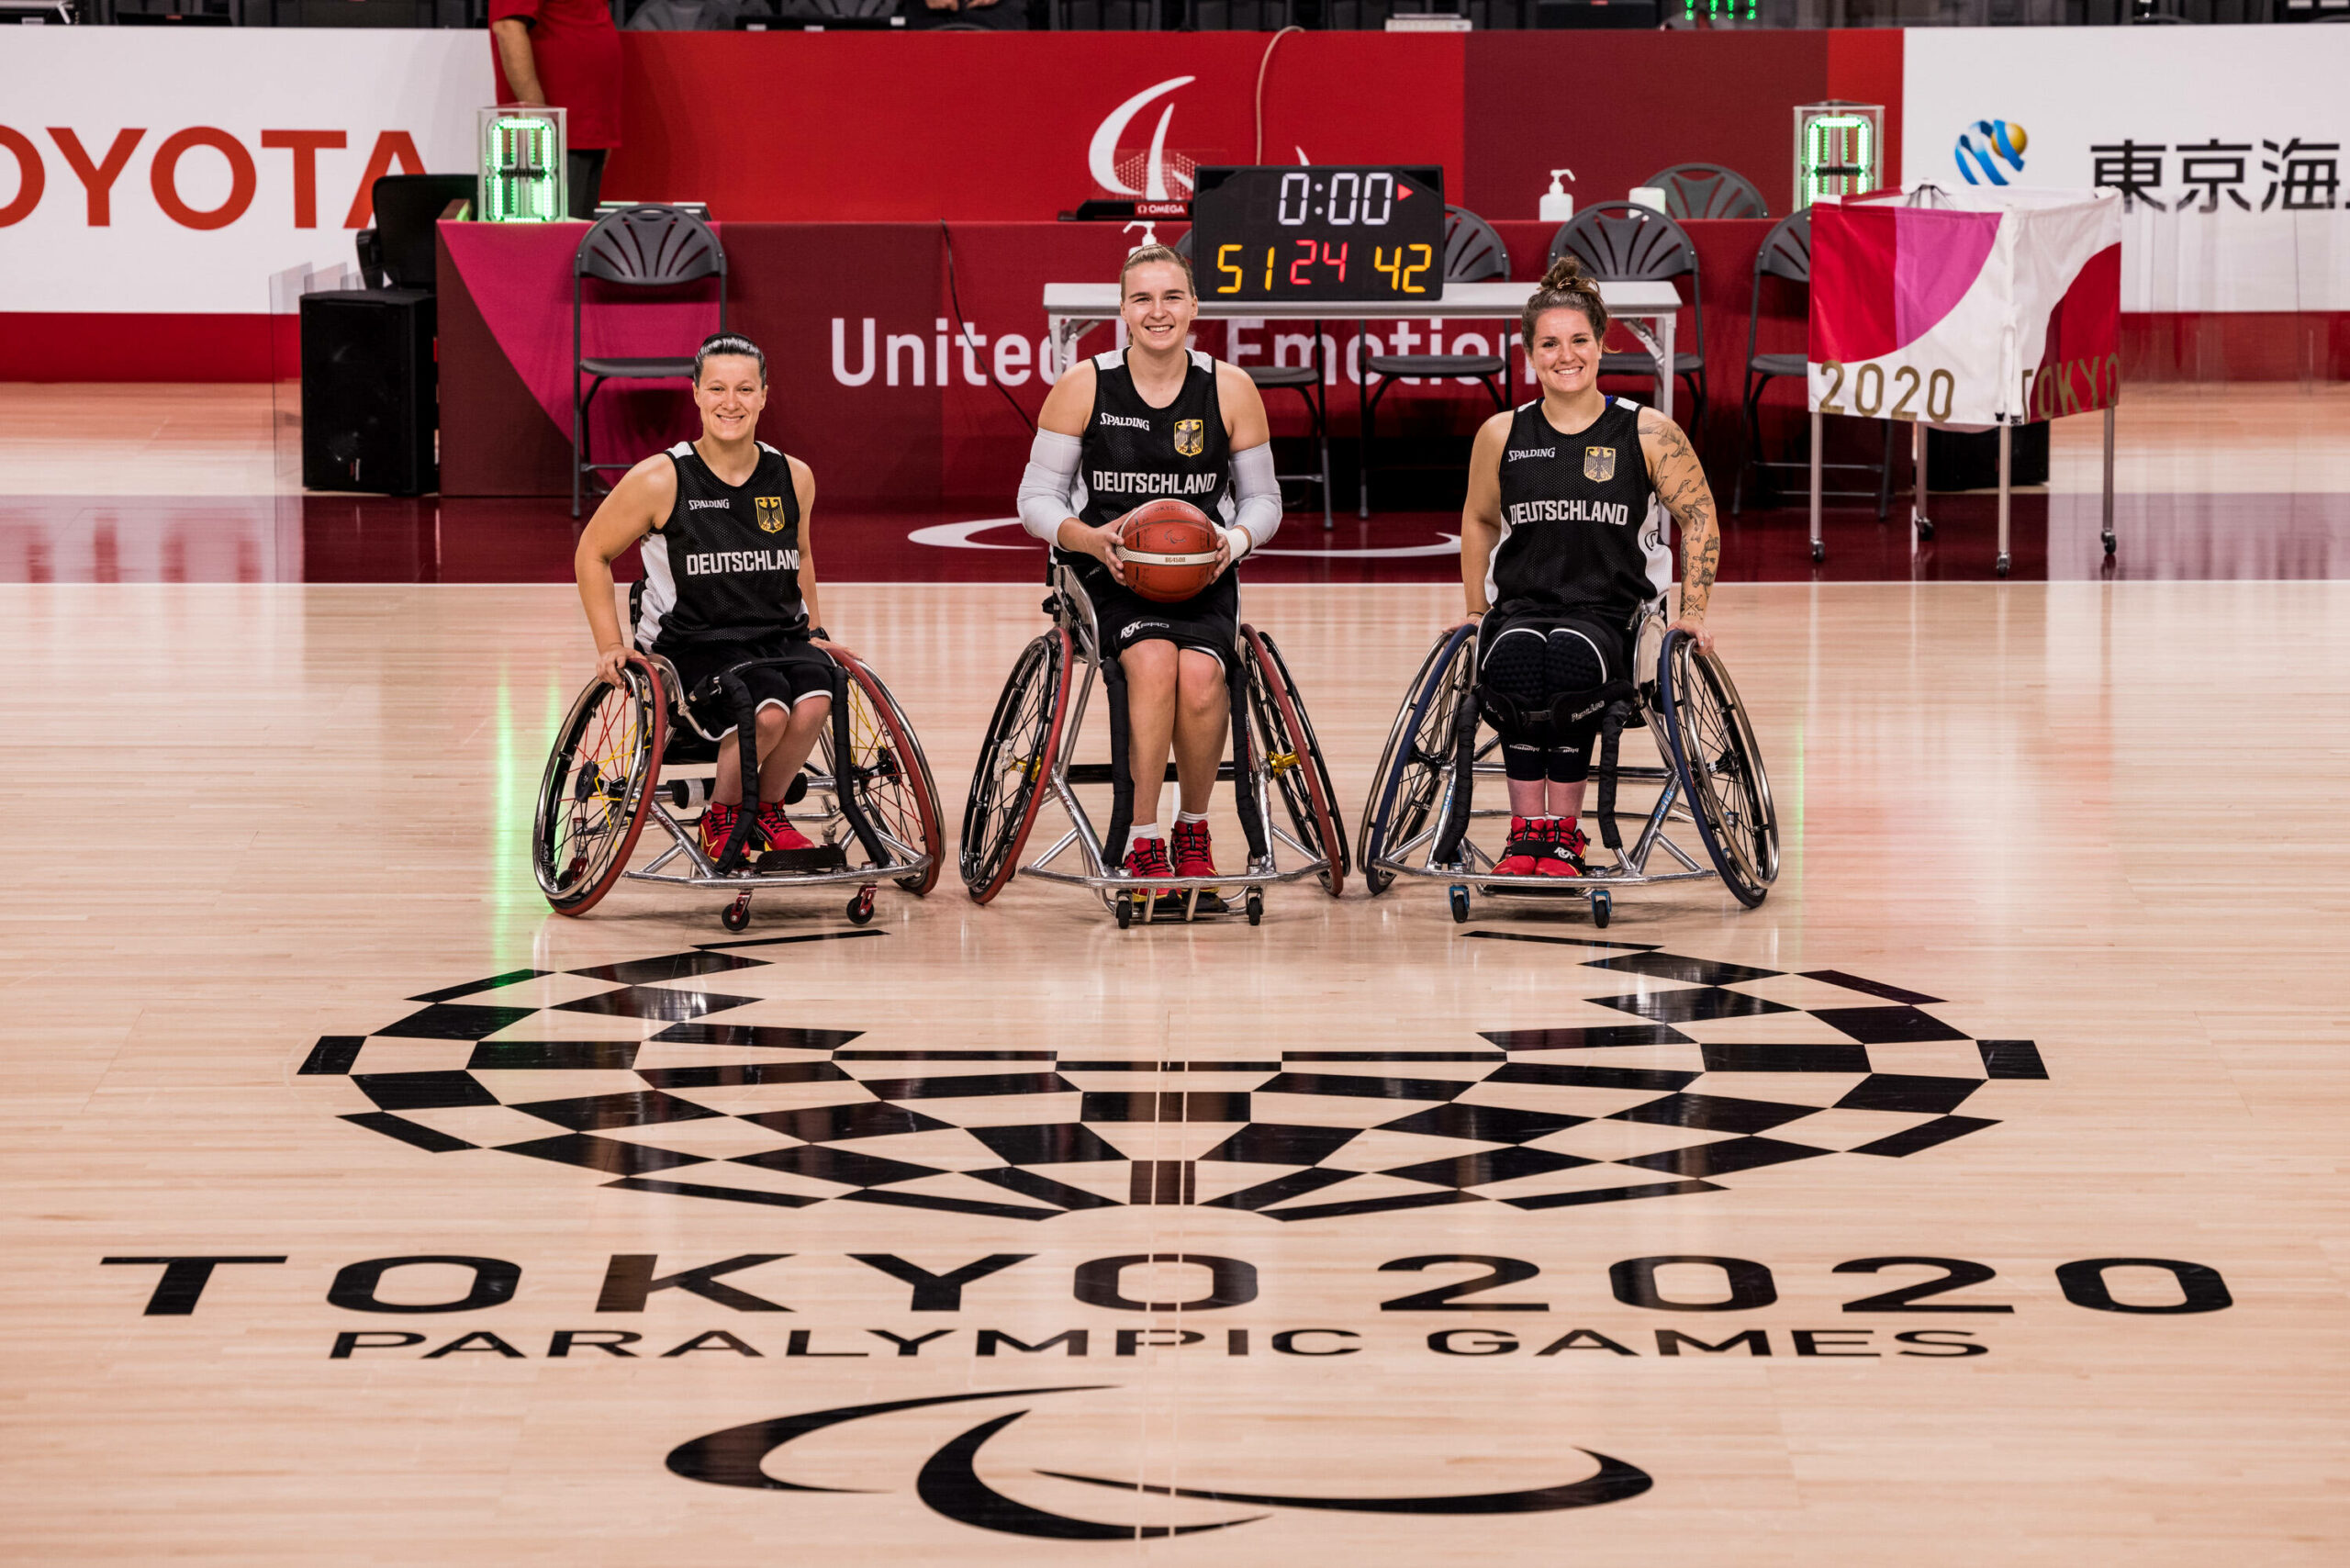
point(1157, 420)
point(730, 575)
point(1563, 544)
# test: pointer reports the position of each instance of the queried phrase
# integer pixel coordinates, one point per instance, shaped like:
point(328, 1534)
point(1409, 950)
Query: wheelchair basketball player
point(1157, 420)
point(1562, 545)
point(730, 577)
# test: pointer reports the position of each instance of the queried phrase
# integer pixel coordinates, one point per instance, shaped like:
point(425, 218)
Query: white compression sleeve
point(1048, 485)
point(1258, 514)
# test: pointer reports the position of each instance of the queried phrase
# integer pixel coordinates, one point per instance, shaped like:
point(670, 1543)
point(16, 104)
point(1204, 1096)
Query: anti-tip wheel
point(860, 908)
point(1819, 550)
point(1925, 530)
point(1125, 907)
point(1460, 899)
point(2107, 536)
point(738, 914)
point(2001, 565)
point(1603, 906)
point(1255, 903)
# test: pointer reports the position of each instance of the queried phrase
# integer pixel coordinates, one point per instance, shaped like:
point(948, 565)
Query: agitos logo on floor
point(1671, 1075)
point(949, 1481)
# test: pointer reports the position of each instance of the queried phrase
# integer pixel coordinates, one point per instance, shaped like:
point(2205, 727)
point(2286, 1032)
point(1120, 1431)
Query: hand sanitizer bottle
point(1557, 205)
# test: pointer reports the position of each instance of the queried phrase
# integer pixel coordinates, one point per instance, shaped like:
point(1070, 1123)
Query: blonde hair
point(1143, 255)
point(1566, 287)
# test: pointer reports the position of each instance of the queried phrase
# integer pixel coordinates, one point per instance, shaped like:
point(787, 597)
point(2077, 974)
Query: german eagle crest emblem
point(1190, 438)
point(1599, 464)
point(770, 509)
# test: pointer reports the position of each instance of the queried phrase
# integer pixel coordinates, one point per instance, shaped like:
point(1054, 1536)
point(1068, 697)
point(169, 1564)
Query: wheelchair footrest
point(802, 862)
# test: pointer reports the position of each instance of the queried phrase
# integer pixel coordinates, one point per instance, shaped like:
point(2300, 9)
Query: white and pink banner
point(176, 170)
point(1967, 307)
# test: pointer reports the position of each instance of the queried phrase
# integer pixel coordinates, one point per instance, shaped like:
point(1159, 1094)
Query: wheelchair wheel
point(890, 775)
point(1720, 768)
point(1300, 777)
point(1417, 762)
point(1008, 783)
point(598, 787)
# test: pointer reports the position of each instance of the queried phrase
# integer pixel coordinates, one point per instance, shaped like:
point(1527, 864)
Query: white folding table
point(1646, 308)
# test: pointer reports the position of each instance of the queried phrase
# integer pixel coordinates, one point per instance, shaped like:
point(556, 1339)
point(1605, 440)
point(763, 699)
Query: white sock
point(1185, 819)
point(1148, 830)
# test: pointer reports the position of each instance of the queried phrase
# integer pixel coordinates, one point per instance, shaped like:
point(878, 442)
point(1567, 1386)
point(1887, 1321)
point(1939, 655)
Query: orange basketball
point(1168, 548)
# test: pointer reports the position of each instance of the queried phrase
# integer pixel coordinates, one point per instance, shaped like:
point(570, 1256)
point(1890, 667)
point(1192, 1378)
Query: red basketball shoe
point(1562, 850)
point(1146, 858)
point(1195, 858)
point(1526, 840)
point(717, 827)
point(777, 828)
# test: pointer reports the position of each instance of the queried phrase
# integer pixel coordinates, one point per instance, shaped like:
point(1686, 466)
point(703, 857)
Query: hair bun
point(1565, 274)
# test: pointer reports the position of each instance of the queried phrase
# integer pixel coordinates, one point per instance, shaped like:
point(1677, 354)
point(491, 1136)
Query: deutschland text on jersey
point(1581, 523)
point(1133, 453)
point(725, 565)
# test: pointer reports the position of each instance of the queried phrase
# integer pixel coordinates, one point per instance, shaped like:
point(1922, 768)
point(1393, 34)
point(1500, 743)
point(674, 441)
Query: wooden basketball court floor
point(1977, 1199)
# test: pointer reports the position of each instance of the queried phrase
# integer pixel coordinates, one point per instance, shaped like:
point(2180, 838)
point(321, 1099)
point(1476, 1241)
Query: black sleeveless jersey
point(1132, 453)
point(725, 567)
point(1581, 527)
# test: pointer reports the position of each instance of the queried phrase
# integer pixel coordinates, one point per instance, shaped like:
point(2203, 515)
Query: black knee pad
point(1516, 668)
point(1573, 660)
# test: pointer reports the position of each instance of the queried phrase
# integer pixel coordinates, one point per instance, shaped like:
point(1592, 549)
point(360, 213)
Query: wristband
point(1240, 540)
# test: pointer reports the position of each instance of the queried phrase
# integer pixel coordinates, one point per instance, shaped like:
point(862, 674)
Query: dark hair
point(1566, 287)
point(729, 342)
point(1144, 254)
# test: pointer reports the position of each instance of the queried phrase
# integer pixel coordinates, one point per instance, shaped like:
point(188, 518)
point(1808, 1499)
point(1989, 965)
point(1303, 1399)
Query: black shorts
point(1208, 620)
point(808, 673)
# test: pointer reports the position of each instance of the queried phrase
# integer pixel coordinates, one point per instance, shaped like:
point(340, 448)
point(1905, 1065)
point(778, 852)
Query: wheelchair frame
point(1262, 691)
point(912, 867)
point(1689, 779)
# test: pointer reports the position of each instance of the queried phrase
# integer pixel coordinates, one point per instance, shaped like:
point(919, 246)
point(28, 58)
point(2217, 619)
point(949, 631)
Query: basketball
point(1168, 548)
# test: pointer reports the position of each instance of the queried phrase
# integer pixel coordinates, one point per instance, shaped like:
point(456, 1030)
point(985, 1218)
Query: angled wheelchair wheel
point(890, 774)
point(1720, 768)
point(598, 788)
point(1300, 777)
point(1417, 762)
point(1008, 783)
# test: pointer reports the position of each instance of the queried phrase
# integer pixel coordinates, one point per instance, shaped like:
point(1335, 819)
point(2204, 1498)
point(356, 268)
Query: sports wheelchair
point(1030, 753)
point(604, 781)
point(1419, 820)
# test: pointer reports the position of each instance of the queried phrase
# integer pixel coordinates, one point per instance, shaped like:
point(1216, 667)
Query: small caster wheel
point(1603, 907)
point(860, 908)
point(2108, 542)
point(1460, 899)
point(1925, 530)
point(1125, 912)
point(1819, 550)
point(2001, 565)
point(738, 914)
point(1255, 904)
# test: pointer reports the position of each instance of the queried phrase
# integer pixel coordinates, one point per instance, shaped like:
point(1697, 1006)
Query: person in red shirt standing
point(565, 53)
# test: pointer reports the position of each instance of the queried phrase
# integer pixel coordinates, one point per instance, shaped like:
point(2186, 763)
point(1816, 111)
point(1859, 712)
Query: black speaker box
point(1969, 460)
point(370, 391)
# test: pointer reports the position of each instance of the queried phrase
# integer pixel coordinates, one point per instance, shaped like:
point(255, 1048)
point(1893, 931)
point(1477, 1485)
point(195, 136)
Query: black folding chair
point(647, 247)
point(1621, 241)
point(1708, 190)
point(397, 250)
point(1473, 253)
point(1786, 255)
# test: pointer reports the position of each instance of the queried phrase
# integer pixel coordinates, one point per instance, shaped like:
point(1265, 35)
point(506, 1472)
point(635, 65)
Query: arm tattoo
point(1680, 481)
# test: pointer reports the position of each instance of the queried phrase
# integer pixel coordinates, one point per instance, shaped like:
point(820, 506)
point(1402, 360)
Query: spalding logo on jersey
point(1599, 464)
point(770, 509)
point(1190, 438)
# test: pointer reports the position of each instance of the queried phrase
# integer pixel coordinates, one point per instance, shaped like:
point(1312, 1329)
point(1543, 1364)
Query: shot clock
point(1268, 232)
